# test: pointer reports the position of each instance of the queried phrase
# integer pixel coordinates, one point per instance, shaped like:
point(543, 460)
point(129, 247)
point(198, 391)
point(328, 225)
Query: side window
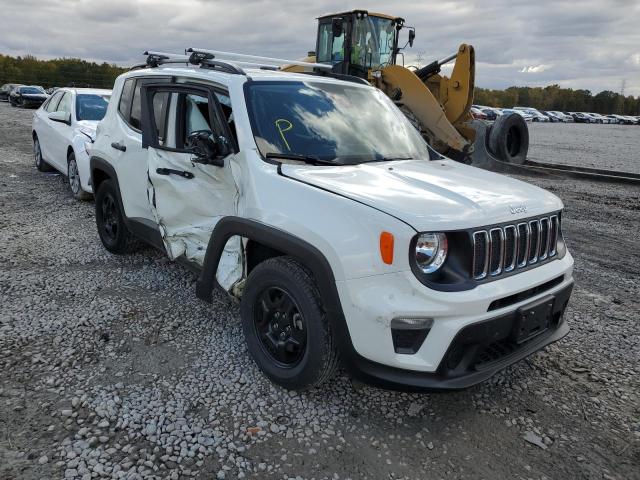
point(187, 113)
point(65, 103)
point(136, 107)
point(225, 105)
point(124, 107)
point(52, 104)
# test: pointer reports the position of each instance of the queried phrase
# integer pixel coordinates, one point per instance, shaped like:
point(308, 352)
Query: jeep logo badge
point(518, 209)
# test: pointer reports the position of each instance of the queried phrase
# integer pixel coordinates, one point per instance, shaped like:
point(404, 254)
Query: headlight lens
point(431, 251)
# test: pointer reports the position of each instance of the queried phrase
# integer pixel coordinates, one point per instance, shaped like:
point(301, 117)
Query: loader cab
point(358, 42)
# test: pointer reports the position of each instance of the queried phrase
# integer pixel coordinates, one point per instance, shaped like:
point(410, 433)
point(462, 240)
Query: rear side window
point(124, 107)
point(130, 106)
point(136, 107)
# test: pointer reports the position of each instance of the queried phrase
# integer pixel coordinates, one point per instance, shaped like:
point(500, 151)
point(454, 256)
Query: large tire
point(73, 178)
point(112, 230)
point(509, 138)
point(285, 328)
point(39, 162)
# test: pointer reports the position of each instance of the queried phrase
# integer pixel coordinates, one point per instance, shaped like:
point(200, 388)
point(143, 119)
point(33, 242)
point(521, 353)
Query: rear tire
point(509, 139)
point(285, 328)
point(73, 177)
point(113, 232)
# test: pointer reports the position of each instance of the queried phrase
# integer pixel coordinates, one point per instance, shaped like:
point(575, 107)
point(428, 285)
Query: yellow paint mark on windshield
point(288, 127)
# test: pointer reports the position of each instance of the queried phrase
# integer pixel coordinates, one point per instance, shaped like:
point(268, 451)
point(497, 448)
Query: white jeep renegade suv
point(314, 201)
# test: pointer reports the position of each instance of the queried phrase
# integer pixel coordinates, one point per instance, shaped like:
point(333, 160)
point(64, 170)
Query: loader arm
point(402, 85)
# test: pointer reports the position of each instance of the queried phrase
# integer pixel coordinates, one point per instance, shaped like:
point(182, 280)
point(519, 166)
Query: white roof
point(225, 78)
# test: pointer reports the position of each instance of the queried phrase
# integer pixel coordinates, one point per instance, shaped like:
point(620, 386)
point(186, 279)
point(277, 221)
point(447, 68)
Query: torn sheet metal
point(188, 209)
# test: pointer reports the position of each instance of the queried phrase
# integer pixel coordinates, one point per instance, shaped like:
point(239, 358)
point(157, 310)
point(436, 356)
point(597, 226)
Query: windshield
point(31, 90)
point(91, 106)
point(337, 122)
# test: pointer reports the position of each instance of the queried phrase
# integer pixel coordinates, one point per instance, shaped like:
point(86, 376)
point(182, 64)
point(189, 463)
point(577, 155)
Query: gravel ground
point(609, 147)
point(111, 368)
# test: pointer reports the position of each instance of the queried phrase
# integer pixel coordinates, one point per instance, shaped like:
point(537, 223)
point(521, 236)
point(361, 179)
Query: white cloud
point(517, 42)
point(535, 68)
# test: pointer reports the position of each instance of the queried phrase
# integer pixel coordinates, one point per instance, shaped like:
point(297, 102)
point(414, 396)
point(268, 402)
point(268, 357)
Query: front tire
point(285, 328)
point(73, 176)
point(113, 232)
point(39, 162)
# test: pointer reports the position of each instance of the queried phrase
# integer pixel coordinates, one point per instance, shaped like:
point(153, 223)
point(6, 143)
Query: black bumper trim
point(393, 378)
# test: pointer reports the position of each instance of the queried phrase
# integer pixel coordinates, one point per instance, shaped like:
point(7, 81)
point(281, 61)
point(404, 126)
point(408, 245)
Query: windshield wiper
point(388, 159)
point(301, 158)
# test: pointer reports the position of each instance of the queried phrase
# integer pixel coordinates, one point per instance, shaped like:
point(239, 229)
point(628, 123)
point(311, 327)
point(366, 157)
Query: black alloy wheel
point(280, 327)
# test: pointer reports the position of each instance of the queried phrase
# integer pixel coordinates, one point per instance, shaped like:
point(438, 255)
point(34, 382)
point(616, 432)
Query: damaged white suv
point(314, 201)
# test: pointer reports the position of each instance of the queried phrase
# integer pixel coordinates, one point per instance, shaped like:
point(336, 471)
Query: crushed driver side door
point(187, 195)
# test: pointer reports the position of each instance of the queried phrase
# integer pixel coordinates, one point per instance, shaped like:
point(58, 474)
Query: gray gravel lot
point(111, 368)
point(609, 147)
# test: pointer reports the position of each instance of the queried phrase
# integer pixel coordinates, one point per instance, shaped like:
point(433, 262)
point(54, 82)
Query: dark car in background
point(28, 96)
point(6, 89)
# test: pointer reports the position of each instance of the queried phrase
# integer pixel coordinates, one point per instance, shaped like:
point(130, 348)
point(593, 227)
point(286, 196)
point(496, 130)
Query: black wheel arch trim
point(307, 254)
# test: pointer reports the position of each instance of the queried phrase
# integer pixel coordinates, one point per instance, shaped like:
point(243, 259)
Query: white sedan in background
point(63, 129)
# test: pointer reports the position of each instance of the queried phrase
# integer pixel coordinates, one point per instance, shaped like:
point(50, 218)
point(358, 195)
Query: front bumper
point(478, 352)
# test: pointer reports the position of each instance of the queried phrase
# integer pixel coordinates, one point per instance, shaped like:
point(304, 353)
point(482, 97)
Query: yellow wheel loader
point(365, 45)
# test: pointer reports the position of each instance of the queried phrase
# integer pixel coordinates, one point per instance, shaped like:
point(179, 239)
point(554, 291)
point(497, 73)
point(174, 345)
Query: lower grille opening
point(519, 297)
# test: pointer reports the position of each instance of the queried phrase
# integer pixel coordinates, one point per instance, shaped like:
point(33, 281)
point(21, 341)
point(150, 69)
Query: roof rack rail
point(206, 60)
point(155, 59)
point(256, 60)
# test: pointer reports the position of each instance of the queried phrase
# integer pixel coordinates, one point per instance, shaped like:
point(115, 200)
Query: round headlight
point(431, 251)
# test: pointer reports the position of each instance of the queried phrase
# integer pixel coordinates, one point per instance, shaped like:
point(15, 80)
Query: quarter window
point(124, 107)
point(65, 103)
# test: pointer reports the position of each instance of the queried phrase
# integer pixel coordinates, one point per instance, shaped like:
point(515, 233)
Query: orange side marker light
point(386, 247)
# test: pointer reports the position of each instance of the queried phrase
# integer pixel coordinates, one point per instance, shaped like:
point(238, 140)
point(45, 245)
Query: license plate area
point(533, 319)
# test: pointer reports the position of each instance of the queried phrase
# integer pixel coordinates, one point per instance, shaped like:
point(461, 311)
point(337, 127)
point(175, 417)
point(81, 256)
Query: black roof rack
point(203, 59)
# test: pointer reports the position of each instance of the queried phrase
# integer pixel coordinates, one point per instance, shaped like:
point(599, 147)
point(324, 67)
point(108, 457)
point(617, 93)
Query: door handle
point(118, 146)
point(171, 171)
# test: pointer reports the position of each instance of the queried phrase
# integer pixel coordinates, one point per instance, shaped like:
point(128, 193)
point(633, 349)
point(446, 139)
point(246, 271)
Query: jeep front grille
point(505, 248)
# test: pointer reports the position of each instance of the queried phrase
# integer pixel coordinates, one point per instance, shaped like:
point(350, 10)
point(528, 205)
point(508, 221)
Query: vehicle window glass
point(330, 48)
point(91, 106)
point(124, 107)
point(65, 103)
point(52, 104)
point(31, 90)
point(136, 107)
point(336, 122)
point(161, 102)
point(225, 105)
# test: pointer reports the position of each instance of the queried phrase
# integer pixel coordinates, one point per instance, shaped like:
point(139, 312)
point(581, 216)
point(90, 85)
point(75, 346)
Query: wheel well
point(98, 176)
point(69, 151)
point(34, 134)
point(257, 253)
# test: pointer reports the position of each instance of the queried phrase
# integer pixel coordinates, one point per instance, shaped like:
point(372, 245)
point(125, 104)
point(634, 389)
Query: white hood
point(432, 195)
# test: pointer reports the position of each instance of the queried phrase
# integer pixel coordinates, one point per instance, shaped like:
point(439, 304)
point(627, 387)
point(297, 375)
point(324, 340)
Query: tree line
point(555, 98)
point(60, 72)
point(63, 72)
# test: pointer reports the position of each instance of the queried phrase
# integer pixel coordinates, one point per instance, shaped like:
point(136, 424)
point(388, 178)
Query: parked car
point(27, 96)
point(233, 172)
point(600, 118)
point(563, 116)
point(536, 116)
point(478, 114)
point(580, 117)
point(490, 113)
point(551, 116)
point(613, 119)
point(5, 90)
point(63, 130)
point(527, 117)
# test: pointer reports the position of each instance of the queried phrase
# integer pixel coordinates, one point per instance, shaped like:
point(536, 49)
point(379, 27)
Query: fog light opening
point(408, 333)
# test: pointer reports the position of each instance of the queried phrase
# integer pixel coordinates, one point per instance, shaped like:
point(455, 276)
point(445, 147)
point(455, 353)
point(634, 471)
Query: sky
point(590, 44)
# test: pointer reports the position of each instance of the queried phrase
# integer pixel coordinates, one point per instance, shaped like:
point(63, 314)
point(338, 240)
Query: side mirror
point(412, 36)
point(208, 148)
point(336, 27)
point(62, 117)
